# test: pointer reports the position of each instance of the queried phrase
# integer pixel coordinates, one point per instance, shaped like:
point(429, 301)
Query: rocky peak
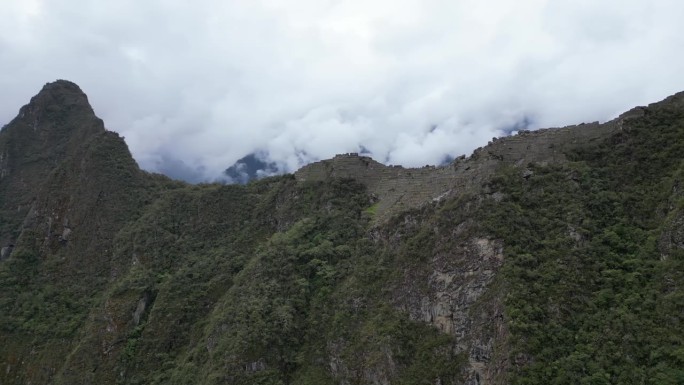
point(59, 103)
point(53, 97)
point(56, 137)
point(61, 92)
point(56, 121)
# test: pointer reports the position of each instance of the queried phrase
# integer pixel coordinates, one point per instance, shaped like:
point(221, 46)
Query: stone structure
point(398, 188)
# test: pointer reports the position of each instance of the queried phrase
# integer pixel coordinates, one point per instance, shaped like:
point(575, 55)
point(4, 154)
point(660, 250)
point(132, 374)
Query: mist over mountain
point(196, 86)
point(249, 167)
point(553, 256)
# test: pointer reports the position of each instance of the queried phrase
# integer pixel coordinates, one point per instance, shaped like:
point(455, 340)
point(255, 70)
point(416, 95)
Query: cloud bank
point(195, 86)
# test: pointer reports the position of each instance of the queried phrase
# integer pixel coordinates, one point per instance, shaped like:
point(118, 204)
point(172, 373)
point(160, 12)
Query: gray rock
point(5, 252)
point(64, 238)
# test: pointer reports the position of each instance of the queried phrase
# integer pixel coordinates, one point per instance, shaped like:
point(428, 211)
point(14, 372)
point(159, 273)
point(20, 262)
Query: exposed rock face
point(447, 292)
point(4, 165)
point(142, 306)
point(6, 251)
point(672, 239)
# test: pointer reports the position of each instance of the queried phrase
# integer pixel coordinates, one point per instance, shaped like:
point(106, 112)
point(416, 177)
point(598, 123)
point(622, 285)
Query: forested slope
point(551, 257)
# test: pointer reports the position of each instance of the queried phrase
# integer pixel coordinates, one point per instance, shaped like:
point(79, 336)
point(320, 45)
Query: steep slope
point(35, 142)
point(553, 256)
point(68, 186)
point(593, 276)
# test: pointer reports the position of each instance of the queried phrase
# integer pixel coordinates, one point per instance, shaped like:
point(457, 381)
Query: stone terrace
point(398, 188)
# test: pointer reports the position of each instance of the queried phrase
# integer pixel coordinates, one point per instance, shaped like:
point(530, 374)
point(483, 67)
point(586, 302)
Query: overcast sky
point(195, 85)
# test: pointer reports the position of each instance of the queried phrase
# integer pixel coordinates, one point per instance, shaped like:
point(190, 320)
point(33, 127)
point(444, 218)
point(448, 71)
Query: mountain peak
point(58, 109)
point(55, 123)
point(61, 85)
point(60, 94)
point(56, 139)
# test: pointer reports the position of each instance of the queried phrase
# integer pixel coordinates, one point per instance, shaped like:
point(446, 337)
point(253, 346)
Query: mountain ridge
point(503, 267)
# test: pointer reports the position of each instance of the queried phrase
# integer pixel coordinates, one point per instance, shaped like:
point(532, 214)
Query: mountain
point(552, 256)
point(251, 167)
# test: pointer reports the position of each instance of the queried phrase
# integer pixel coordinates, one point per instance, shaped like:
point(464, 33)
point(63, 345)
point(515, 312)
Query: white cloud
point(203, 83)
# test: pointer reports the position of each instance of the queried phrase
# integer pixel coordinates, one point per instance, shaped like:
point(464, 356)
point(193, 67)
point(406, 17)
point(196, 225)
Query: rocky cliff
point(552, 256)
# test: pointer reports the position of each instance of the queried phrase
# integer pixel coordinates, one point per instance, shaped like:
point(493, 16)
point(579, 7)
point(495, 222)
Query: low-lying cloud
point(195, 86)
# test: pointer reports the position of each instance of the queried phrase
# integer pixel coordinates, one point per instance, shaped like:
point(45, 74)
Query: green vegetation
point(592, 297)
point(266, 283)
point(372, 209)
point(277, 311)
point(568, 272)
